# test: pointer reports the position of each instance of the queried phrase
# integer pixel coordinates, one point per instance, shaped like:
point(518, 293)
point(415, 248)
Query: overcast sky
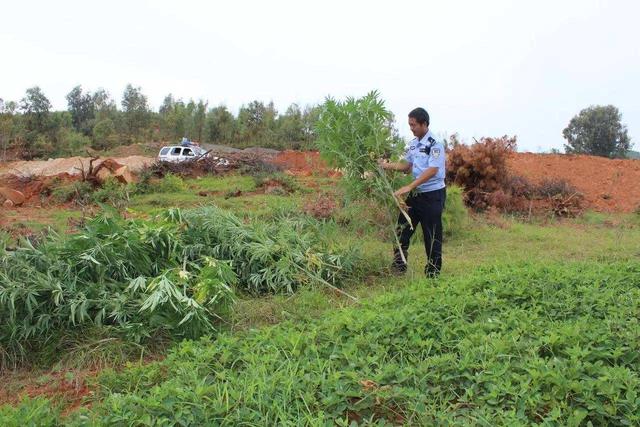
point(481, 68)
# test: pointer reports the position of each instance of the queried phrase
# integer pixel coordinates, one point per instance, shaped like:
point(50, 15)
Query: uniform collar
point(424, 140)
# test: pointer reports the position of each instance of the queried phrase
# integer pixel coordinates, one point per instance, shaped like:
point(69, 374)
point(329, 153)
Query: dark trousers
point(424, 209)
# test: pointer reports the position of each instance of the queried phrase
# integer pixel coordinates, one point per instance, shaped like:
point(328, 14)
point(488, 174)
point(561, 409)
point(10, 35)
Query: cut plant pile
point(554, 344)
point(267, 257)
point(140, 281)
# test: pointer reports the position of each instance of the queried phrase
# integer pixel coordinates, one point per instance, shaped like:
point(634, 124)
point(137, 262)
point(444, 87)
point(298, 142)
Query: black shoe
point(398, 270)
point(432, 274)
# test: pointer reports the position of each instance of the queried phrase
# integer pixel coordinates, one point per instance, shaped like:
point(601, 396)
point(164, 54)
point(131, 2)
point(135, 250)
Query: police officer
point(425, 158)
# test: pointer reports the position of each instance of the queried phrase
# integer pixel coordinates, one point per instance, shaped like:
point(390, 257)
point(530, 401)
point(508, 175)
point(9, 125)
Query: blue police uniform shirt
point(427, 153)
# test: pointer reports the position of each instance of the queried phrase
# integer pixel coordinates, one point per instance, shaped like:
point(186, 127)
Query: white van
point(179, 153)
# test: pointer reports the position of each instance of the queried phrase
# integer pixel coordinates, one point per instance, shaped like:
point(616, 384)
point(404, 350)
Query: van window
point(164, 151)
point(176, 151)
point(187, 152)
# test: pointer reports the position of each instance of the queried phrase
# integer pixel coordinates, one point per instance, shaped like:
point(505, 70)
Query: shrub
point(113, 193)
point(170, 184)
point(110, 192)
point(481, 168)
point(265, 179)
point(148, 183)
point(455, 214)
point(77, 191)
point(104, 135)
point(42, 146)
point(70, 143)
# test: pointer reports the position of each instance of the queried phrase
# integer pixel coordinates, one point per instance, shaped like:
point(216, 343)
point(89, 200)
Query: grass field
point(531, 323)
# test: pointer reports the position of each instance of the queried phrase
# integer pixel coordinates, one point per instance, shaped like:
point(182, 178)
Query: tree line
point(30, 128)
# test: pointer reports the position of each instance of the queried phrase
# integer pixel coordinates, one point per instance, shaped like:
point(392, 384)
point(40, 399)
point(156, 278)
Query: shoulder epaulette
point(431, 140)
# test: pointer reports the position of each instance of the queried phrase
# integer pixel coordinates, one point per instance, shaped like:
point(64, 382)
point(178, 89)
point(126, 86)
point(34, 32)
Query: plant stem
point(324, 282)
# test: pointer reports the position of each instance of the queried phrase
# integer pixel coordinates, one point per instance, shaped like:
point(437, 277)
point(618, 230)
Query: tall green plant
point(352, 136)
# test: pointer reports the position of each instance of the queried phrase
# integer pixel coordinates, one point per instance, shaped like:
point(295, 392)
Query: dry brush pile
point(481, 169)
point(215, 163)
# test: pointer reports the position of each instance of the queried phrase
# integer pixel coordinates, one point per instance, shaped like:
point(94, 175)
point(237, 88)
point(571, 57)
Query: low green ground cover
point(533, 343)
point(531, 323)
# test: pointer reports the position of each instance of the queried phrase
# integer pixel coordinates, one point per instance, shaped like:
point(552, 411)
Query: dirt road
point(69, 165)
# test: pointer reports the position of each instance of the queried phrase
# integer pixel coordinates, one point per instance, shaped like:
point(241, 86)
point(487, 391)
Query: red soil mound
point(608, 185)
point(302, 163)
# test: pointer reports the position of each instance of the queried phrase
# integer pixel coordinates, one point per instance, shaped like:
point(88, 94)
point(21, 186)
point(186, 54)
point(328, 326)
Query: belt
point(432, 191)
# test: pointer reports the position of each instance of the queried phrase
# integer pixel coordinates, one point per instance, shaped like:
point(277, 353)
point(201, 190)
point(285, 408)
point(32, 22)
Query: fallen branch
point(324, 282)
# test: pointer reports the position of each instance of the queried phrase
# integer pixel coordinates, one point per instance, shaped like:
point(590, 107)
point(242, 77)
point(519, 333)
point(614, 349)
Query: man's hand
point(401, 166)
point(403, 190)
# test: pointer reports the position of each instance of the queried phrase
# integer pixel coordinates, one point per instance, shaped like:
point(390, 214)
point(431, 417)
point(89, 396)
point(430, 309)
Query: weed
point(555, 187)
point(454, 217)
point(77, 191)
point(267, 180)
point(353, 136)
point(113, 193)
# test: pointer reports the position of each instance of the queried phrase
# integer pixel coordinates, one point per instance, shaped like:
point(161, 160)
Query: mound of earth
point(608, 185)
point(67, 165)
point(302, 163)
